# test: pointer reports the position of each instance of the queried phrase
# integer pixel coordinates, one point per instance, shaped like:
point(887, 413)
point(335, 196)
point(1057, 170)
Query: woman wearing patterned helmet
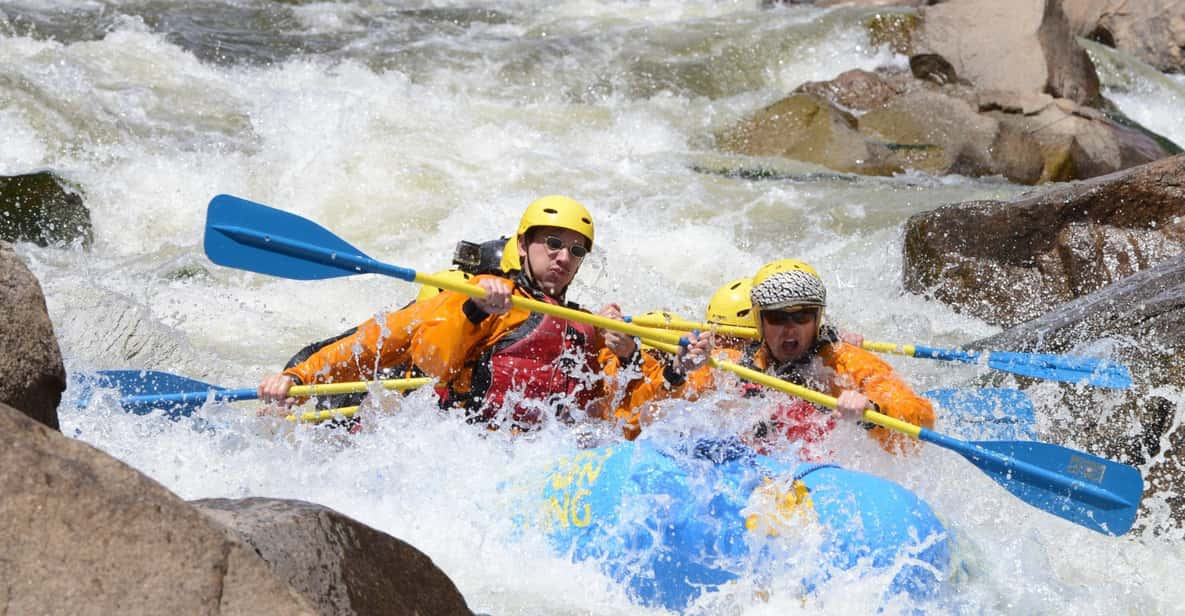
point(797, 345)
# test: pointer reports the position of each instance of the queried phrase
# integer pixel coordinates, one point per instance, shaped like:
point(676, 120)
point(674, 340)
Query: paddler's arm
point(862, 371)
point(458, 328)
point(662, 377)
point(374, 345)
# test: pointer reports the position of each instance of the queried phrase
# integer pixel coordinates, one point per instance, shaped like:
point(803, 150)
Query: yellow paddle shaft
point(319, 416)
point(562, 312)
point(889, 347)
point(330, 389)
point(787, 387)
point(661, 322)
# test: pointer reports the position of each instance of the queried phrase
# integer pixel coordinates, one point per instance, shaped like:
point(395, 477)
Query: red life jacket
point(546, 362)
point(795, 420)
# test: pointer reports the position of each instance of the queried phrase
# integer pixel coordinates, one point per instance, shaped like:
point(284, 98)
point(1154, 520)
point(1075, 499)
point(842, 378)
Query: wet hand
point(852, 403)
point(622, 345)
point(274, 389)
point(696, 352)
point(497, 299)
point(852, 338)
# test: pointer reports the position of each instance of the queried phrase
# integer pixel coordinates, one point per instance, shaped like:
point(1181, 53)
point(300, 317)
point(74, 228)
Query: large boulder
point(83, 533)
point(1139, 321)
point(1012, 45)
point(341, 565)
point(32, 377)
point(932, 131)
point(1151, 30)
point(808, 128)
point(1009, 262)
point(41, 208)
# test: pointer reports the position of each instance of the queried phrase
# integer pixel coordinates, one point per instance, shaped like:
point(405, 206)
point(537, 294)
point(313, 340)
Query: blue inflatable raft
point(672, 525)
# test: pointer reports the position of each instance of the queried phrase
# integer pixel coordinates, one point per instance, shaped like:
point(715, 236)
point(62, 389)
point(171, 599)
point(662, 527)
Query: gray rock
point(1139, 321)
point(1009, 262)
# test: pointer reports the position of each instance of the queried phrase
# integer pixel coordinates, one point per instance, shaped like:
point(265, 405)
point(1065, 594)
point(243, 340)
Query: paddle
point(254, 237)
point(1090, 491)
point(143, 391)
point(1066, 368)
point(1070, 369)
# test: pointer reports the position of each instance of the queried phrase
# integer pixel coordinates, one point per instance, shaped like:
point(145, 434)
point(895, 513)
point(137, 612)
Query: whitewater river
point(404, 127)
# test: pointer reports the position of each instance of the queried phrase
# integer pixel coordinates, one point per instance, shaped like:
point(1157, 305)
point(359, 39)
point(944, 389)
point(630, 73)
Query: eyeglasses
point(782, 317)
point(554, 243)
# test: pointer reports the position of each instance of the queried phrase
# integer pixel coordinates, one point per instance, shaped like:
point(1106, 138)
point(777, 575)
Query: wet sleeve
point(455, 332)
point(861, 370)
point(380, 342)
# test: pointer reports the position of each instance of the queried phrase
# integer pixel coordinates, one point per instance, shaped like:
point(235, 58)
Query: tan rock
point(808, 128)
point(32, 377)
point(339, 564)
point(854, 90)
point(1151, 30)
point(1013, 45)
point(82, 533)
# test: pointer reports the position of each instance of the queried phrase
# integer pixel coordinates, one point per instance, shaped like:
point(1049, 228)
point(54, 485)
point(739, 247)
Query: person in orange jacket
point(797, 345)
point(502, 365)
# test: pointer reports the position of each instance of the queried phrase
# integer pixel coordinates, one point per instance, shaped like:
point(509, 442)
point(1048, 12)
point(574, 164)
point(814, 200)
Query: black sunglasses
point(554, 243)
point(782, 317)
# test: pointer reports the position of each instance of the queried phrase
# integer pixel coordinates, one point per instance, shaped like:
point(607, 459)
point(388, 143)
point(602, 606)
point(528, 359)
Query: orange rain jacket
point(842, 366)
point(437, 337)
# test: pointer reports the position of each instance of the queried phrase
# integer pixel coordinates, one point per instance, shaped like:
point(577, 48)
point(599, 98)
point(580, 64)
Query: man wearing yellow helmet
point(503, 365)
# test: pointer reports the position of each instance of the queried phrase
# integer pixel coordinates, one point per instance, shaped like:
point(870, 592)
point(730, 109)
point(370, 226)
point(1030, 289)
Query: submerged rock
point(40, 208)
point(1139, 321)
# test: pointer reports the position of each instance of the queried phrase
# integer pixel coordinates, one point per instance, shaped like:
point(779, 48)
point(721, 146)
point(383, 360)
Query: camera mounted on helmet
point(478, 259)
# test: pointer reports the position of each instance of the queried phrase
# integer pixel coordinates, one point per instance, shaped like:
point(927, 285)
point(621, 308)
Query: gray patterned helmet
point(788, 288)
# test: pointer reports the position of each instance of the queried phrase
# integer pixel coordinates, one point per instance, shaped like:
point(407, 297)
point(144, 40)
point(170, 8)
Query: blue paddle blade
point(1089, 370)
point(238, 234)
point(1090, 491)
point(144, 391)
point(995, 413)
point(148, 382)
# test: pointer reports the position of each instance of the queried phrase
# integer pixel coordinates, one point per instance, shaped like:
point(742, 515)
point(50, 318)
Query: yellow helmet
point(510, 259)
point(427, 292)
point(786, 283)
point(783, 265)
point(730, 304)
point(549, 211)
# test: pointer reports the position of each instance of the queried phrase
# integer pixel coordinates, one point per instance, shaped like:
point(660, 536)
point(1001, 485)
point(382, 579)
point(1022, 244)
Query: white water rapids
point(405, 127)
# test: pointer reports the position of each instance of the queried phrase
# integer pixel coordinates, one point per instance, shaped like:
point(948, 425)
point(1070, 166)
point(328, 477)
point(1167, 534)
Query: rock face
point(1151, 30)
point(337, 563)
point(1012, 45)
point(994, 88)
point(39, 208)
point(83, 533)
point(1140, 321)
point(1009, 262)
point(32, 377)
